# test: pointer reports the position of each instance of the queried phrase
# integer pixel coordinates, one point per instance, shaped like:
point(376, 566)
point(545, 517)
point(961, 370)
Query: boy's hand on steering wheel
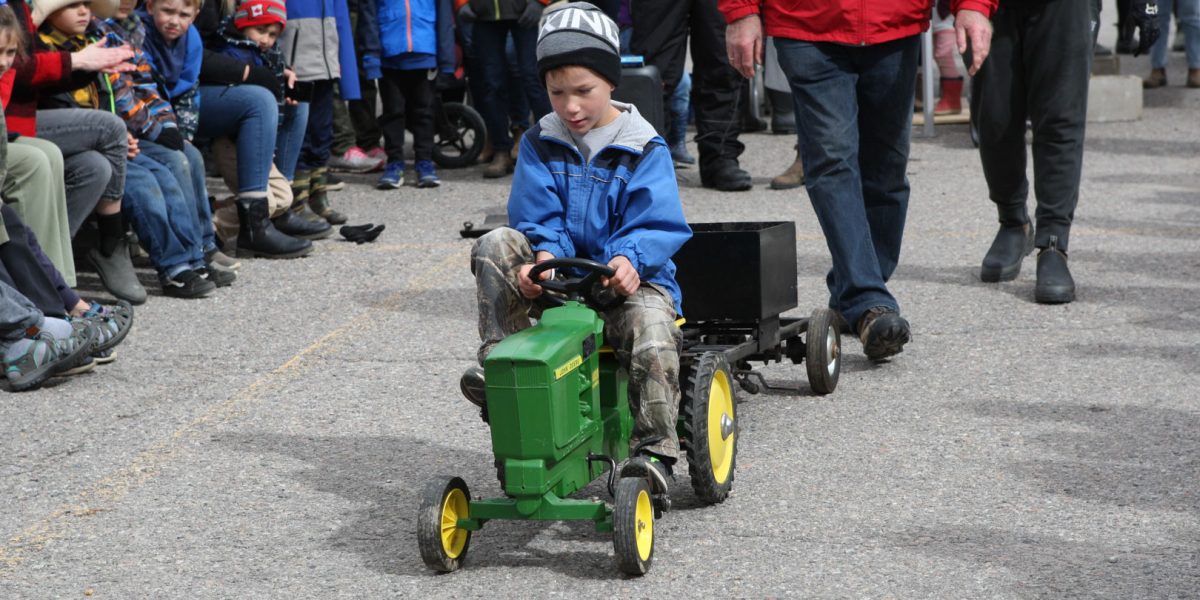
point(626, 279)
point(528, 288)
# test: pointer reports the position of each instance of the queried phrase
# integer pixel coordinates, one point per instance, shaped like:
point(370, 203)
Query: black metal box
point(738, 271)
point(642, 87)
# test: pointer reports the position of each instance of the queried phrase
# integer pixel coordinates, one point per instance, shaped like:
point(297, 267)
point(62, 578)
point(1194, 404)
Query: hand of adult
point(973, 27)
point(1144, 14)
point(625, 280)
point(531, 15)
point(744, 44)
point(466, 15)
point(96, 57)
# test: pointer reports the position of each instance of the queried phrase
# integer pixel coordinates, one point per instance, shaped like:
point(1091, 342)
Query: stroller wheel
point(460, 135)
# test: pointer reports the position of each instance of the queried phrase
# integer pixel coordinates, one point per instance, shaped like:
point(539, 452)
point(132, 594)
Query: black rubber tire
point(698, 386)
point(823, 358)
point(459, 136)
point(429, 525)
point(627, 525)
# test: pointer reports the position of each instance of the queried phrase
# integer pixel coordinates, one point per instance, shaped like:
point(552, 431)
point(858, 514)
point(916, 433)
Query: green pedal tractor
point(557, 403)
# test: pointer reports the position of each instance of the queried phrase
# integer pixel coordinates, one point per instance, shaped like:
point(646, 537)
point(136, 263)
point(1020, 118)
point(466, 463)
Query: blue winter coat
point(416, 27)
point(624, 201)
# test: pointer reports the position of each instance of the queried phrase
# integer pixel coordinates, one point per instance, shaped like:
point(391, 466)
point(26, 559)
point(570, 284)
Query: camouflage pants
point(642, 331)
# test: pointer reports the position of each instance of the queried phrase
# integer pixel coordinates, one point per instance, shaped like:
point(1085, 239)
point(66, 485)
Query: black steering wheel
point(586, 289)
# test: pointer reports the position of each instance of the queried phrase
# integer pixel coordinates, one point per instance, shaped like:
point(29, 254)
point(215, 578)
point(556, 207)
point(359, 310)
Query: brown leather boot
point(1193, 78)
point(517, 132)
point(1157, 79)
point(501, 165)
point(792, 178)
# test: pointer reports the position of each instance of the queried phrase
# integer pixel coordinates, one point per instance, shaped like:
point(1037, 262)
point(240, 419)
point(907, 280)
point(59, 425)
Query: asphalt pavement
point(272, 440)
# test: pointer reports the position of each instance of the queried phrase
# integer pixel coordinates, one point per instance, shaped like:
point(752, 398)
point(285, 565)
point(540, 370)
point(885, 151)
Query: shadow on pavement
point(1122, 464)
point(385, 477)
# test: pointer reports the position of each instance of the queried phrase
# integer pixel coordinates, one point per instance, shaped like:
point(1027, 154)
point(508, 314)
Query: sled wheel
point(710, 424)
point(633, 526)
point(460, 136)
point(443, 543)
point(823, 351)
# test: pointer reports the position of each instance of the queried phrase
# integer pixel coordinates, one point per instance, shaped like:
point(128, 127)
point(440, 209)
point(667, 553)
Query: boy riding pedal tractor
point(593, 180)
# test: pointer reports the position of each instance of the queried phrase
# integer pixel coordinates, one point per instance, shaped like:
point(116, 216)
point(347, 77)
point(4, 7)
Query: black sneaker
point(473, 387)
point(220, 277)
point(657, 473)
point(883, 332)
point(188, 284)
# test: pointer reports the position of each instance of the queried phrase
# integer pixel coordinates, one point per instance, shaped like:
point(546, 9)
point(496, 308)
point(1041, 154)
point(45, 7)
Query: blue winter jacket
point(416, 32)
point(624, 201)
point(318, 43)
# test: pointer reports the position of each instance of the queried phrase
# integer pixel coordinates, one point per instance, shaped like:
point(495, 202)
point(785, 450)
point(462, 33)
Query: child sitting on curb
point(594, 180)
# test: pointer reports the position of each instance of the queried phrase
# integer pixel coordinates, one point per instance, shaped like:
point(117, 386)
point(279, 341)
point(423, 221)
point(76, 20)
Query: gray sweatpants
point(641, 330)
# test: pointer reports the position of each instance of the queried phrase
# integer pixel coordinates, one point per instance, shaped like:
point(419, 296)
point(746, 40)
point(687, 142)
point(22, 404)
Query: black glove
point(1144, 14)
point(531, 15)
point(466, 14)
point(361, 233)
point(263, 77)
point(170, 137)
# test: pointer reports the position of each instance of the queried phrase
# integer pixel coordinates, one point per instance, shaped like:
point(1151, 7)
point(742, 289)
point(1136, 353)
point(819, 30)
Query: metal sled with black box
point(737, 279)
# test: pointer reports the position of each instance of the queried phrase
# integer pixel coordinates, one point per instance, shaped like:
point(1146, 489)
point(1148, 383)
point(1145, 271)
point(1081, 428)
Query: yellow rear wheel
point(443, 543)
point(633, 526)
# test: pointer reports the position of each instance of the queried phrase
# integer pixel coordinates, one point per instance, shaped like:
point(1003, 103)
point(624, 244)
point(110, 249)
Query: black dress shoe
point(1054, 282)
point(725, 176)
point(1003, 260)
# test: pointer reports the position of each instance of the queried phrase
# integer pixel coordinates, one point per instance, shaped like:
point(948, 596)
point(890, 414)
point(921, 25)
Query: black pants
point(318, 137)
point(1038, 69)
point(660, 33)
point(21, 269)
point(407, 100)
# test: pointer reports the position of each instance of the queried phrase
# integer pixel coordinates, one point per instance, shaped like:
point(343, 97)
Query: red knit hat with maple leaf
point(260, 12)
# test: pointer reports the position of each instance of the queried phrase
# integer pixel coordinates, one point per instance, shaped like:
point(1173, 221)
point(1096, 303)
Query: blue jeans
point(854, 116)
point(680, 106)
point(318, 133)
point(249, 115)
point(154, 204)
point(291, 138)
point(188, 168)
point(488, 39)
point(1189, 26)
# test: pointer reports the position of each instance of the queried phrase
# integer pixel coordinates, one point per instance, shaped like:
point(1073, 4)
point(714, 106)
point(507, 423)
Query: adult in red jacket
point(852, 68)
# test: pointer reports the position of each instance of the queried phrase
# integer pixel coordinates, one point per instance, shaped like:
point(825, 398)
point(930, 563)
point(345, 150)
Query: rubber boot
point(257, 236)
point(1054, 282)
point(951, 100)
point(792, 178)
point(725, 175)
point(318, 198)
point(301, 191)
point(290, 223)
point(110, 257)
point(783, 113)
point(1013, 243)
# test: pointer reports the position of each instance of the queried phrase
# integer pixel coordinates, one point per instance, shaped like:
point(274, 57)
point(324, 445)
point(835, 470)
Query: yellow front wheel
point(443, 543)
point(633, 526)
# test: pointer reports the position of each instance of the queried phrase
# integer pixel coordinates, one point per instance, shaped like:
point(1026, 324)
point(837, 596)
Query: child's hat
point(580, 34)
point(42, 9)
point(260, 12)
